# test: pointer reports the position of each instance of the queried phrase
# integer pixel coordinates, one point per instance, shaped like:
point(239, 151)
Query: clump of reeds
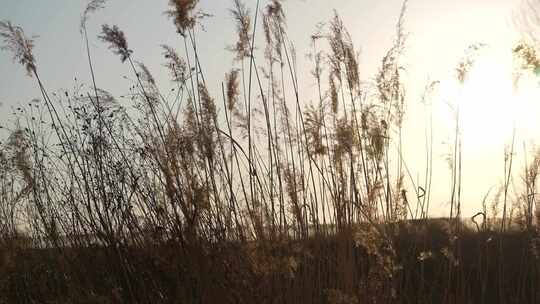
point(244, 197)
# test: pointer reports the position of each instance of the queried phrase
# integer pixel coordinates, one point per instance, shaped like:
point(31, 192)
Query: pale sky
point(439, 32)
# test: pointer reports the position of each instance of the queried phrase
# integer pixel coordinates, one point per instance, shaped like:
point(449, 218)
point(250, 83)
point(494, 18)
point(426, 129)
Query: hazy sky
point(439, 32)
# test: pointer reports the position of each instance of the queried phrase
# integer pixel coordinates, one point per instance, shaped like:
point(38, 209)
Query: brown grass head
point(343, 54)
point(233, 88)
point(15, 41)
point(209, 112)
point(314, 122)
point(345, 132)
point(208, 122)
point(292, 188)
point(274, 27)
point(186, 134)
point(467, 62)
point(145, 74)
point(92, 6)
point(117, 41)
point(241, 16)
point(334, 97)
point(182, 14)
point(351, 63)
point(274, 10)
point(337, 41)
point(20, 145)
point(528, 56)
point(388, 78)
point(176, 65)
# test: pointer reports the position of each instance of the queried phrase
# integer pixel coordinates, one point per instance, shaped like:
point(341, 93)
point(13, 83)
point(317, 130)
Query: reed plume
point(91, 7)
point(174, 63)
point(528, 56)
point(117, 41)
point(233, 90)
point(182, 14)
point(243, 24)
point(16, 42)
point(145, 74)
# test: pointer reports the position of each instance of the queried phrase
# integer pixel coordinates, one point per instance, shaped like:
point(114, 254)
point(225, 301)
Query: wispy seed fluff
point(233, 90)
point(243, 25)
point(176, 65)
point(117, 41)
point(182, 14)
point(92, 6)
point(16, 42)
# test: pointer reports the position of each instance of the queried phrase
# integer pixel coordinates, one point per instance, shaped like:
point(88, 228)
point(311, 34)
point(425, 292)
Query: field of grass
point(251, 196)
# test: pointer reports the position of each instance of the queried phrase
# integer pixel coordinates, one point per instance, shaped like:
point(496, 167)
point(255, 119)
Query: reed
point(249, 197)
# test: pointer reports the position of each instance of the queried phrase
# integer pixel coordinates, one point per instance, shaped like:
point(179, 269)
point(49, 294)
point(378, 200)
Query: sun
point(487, 101)
point(494, 105)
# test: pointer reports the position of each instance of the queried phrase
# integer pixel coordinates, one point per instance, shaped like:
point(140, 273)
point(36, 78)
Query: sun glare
point(494, 102)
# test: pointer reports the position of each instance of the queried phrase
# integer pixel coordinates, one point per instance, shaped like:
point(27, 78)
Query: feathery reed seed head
point(208, 121)
point(274, 27)
point(334, 98)
point(146, 75)
point(528, 56)
point(232, 88)
point(181, 13)
point(243, 23)
point(117, 41)
point(92, 6)
point(15, 41)
point(176, 65)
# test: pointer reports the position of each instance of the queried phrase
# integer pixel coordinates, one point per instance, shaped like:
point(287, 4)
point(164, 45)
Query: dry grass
point(251, 197)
